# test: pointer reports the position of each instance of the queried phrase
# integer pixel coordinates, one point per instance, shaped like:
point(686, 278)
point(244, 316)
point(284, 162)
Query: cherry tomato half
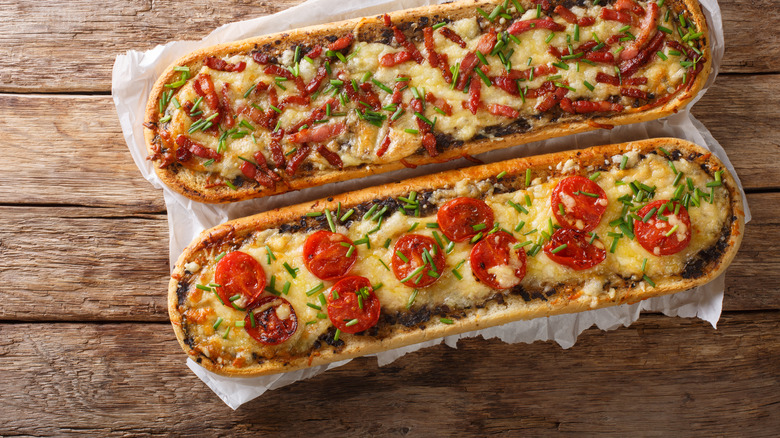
point(239, 273)
point(494, 254)
point(274, 321)
point(352, 305)
point(578, 253)
point(583, 201)
point(325, 255)
point(652, 235)
point(458, 217)
point(414, 250)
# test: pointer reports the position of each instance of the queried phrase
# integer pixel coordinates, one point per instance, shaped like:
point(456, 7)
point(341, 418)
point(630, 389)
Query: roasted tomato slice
point(325, 255)
point(272, 321)
point(496, 263)
point(583, 203)
point(578, 253)
point(418, 260)
point(239, 273)
point(352, 305)
point(663, 237)
point(459, 217)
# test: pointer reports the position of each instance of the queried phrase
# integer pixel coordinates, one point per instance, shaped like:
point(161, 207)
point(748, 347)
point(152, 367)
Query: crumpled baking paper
point(134, 75)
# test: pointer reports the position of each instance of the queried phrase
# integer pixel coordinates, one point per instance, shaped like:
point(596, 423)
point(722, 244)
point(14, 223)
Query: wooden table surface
point(86, 348)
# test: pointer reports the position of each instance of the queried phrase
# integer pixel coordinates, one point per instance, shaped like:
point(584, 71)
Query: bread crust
point(196, 186)
point(234, 231)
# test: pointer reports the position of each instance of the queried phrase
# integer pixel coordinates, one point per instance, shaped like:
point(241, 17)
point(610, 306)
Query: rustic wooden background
point(85, 346)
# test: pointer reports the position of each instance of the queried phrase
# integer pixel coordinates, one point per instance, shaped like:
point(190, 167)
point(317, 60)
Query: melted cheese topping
point(359, 144)
point(627, 261)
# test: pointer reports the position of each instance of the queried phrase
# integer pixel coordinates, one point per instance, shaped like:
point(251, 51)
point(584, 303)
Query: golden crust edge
point(223, 194)
point(360, 347)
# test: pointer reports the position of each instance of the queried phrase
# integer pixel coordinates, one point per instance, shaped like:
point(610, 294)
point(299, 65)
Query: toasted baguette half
point(454, 305)
point(359, 145)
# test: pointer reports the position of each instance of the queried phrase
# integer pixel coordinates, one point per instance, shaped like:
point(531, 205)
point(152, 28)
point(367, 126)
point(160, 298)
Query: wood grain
point(70, 150)
point(41, 38)
point(676, 375)
point(85, 264)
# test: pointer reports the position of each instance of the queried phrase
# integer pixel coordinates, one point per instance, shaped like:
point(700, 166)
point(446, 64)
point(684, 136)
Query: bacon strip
point(252, 172)
point(225, 110)
point(487, 42)
point(276, 70)
point(342, 43)
point(316, 81)
point(613, 15)
point(261, 58)
point(629, 67)
point(428, 139)
point(276, 148)
point(196, 149)
point(222, 65)
point(400, 38)
point(585, 106)
point(438, 102)
point(647, 26)
point(332, 157)
point(570, 17)
point(433, 57)
point(317, 114)
point(519, 27)
point(634, 92)
point(475, 95)
point(503, 110)
point(205, 87)
point(319, 134)
point(315, 52)
point(629, 5)
point(384, 146)
point(393, 59)
point(297, 159)
point(452, 36)
point(551, 99)
point(607, 79)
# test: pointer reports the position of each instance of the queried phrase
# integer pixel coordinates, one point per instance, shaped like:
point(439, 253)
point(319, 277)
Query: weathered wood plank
point(71, 45)
point(661, 374)
point(70, 150)
point(76, 266)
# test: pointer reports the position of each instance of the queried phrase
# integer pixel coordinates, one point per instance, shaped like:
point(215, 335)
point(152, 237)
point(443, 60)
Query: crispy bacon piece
point(602, 56)
point(297, 159)
point(506, 83)
point(316, 81)
point(276, 148)
point(475, 95)
point(276, 70)
point(570, 17)
point(433, 57)
point(196, 149)
point(487, 42)
point(222, 65)
point(342, 43)
point(253, 114)
point(519, 27)
point(205, 87)
point(370, 97)
point(400, 38)
point(452, 36)
point(428, 139)
point(397, 97)
point(225, 110)
point(634, 92)
point(261, 58)
point(551, 99)
point(629, 5)
point(332, 157)
point(641, 80)
point(586, 106)
point(545, 88)
point(646, 27)
point(384, 146)
point(393, 59)
point(252, 172)
point(438, 102)
point(607, 79)
point(294, 100)
point(629, 67)
point(545, 4)
point(315, 52)
point(566, 105)
point(466, 67)
point(613, 15)
point(444, 66)
point(319, 134)
point(503, 110)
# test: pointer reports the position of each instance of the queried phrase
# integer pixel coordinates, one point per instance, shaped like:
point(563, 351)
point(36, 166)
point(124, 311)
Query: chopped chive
point(346, 215)
point(219, 257)
point(559, 249)
point(446, 320)
point(314, 214)
point(476, 238)
point(227, 332)
point(290, 270)
point(411, 299)
point(594, 177)
point(527, 177)
point(329, 218)
point(351, 322)
point(414, 273)
point(314, 306)
point(518, 207)
point(370, 211)
point(387, 243)
point(501, 175)
point(520, 226)
point(216, 324)
point(438, 26)
point(648, 280)
point(623, 162)
point(240, 323)
point(411, 131)
point(588, 85)
point(402, 256)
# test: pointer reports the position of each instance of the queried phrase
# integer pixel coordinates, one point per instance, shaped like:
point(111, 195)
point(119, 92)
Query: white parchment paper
point(134, 75)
